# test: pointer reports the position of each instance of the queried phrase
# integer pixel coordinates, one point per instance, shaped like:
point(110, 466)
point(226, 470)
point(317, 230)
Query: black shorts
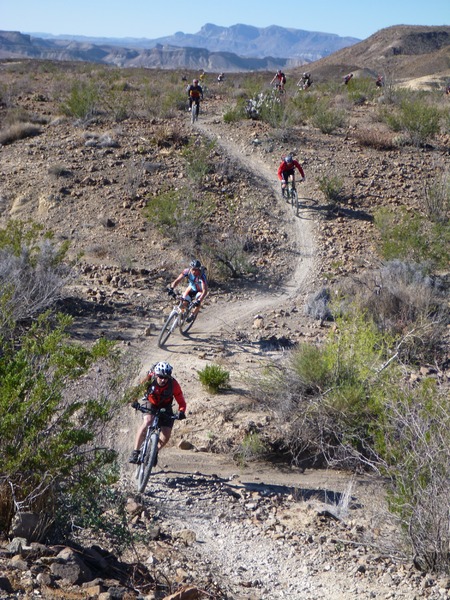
point(288, 173)
point(165, 418)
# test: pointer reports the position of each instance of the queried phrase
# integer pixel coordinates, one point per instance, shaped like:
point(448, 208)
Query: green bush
point(328, 119)
point(214, 378)
point(83, 101)
point(332, 187)
point(414, 116)
point(47, 447)
point(414, 238)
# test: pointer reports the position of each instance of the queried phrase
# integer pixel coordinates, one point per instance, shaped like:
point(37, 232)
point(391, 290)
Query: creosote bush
point(214, 378)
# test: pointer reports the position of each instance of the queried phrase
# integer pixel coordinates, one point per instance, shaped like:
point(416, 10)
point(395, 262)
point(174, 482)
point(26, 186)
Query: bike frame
point(177, 319)
point(290, 193)
point(149, 447)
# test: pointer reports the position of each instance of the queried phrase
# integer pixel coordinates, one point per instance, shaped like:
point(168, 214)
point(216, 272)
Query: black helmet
point(288, 159)
point(195, 264)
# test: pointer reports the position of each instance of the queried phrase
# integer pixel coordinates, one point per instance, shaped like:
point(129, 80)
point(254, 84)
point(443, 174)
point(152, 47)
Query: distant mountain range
point(235, 48)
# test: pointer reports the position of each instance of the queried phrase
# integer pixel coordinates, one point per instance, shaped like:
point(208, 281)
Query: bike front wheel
point(294, 201)
point(194, 112)
point(186, 324)
point(168, 327)
point(145, 468)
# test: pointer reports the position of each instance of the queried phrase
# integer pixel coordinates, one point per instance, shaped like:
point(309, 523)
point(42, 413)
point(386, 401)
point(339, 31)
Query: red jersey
point(163, 395)
point(289, 167)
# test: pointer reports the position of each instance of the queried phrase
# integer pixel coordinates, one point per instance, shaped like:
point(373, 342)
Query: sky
point(154, 19)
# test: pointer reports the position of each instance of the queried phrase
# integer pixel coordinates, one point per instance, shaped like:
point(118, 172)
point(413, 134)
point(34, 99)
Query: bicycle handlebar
point(149, 410)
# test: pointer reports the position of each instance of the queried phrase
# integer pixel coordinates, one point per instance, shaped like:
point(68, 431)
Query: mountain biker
point(347, 78)
point(379, 81)
point(280, 77)
point(305, 81)
point(197, 286)
point(287, 168)
point(220, 77)
point(195, 93)
point(162, 388)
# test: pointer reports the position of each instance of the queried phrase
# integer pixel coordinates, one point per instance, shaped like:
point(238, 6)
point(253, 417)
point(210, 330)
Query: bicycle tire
point(194, 112)
point(145, 468)
point(168, 328)
point(295, 204)
point(184, 325)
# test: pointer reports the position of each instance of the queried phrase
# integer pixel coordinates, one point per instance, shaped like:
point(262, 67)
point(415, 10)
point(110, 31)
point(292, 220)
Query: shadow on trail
point(199, 485)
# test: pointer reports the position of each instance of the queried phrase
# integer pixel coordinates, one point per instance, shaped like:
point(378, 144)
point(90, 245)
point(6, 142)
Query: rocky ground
point(216, 527)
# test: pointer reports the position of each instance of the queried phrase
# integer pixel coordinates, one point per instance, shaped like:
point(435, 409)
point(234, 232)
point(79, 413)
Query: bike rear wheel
point(168, 328)
point(145, 468)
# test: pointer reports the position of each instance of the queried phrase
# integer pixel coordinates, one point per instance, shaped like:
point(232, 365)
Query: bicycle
point(149, 447)
point(289, 193)
point(179, 317)
point(195, 109)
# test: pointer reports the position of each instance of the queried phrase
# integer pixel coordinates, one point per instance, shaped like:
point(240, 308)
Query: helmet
point(195, 264)
point(195, 81)
point(288, 159)
point(279, 72)
point(163, 369)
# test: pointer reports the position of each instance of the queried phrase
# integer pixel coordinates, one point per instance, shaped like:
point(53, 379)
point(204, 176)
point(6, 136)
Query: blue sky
point(153, 18)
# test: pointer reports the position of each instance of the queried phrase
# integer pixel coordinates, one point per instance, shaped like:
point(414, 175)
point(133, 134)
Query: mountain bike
point(149, 447)
point(195, 109)
point(181, 316)
point(289, 193)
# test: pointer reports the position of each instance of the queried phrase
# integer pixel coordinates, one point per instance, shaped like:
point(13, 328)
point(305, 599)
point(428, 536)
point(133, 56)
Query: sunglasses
point(162, 377)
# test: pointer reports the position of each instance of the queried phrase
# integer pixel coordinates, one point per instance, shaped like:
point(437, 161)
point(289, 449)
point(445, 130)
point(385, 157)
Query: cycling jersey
point(195, 91)
point(197, 283)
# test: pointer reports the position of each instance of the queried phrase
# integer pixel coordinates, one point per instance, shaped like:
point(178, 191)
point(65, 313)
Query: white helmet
point(163, 369)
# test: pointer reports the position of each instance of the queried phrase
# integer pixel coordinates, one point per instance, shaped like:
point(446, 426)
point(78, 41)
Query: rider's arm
point(280, 171)
point(300, 168)
point(178, 395)
point(178, 279)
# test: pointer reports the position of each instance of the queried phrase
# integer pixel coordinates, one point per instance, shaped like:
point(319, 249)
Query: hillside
point(225, 525)
point(400, 52)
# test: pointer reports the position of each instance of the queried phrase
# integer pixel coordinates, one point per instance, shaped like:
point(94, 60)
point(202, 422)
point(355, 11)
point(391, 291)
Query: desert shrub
point(251, 448)
point(214, 378)
point(412, 237)
point(362, 90)
point(374, 138)
point(304, 106)
point(83, 101)
point(18, 131)
point(32, 272)
point(47, 448)
point(233, 114)
point(414, 454)
point(346, 402)
point(418, 119)
point(332, 187)
point(406, 301)
point(161, 209)
point(328, 119)
point(436, 199)
point(317, 305)
point(198, 161)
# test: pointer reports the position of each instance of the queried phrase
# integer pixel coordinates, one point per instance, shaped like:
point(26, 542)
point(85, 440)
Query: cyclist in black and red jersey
point(287, 167)
point(195, 93)
point(280, 78)
point(161, 390)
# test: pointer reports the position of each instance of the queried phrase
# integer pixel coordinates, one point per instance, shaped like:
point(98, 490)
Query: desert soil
point(242, 530)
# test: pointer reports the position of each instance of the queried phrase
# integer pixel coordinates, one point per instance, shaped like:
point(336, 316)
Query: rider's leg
point(140, 434)
point(166, 432)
